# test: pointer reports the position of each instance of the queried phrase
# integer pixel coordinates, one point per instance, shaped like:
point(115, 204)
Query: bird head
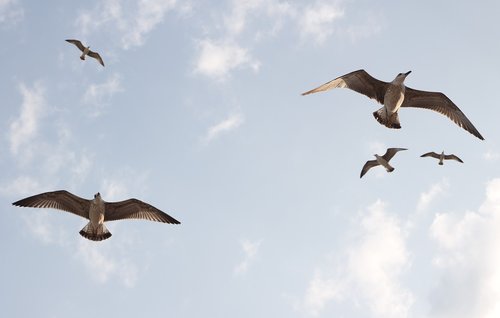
point(97, 195)
point(400, 78)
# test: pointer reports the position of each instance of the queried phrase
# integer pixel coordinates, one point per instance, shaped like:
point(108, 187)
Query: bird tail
point(390, 121)
point(98, 233)
point(440, 163)
point(82, 57)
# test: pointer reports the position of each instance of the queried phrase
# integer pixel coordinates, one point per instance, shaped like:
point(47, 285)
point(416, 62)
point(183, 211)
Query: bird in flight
point(86, 51)
point(381, 160)
point(97, 211)
point(441, 157)
point(394, 95)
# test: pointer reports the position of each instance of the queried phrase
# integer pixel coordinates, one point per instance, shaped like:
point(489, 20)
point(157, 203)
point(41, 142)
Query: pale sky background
point(198, 112)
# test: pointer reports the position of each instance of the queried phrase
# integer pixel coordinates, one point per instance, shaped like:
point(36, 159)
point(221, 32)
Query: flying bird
point(394, 95)
point(442, 157)
point(97, 211)
point(381, 160)
point(86, 51)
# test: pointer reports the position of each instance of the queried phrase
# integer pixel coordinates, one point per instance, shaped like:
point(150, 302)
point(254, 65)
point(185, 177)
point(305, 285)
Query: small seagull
point(441, 157)
point(86, 51)
point(97, 211)
point(381, 160)
point(394, 95)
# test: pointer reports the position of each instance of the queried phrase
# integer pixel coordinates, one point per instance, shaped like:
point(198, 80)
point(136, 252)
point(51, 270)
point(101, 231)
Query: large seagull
point(97, 211)
point(394, 95)
point(86, 51)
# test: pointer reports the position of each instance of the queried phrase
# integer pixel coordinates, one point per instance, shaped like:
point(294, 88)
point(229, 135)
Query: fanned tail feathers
point(391, 121)
point(98, 233)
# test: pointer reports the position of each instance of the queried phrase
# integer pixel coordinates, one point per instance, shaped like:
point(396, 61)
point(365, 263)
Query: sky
point(199, 112)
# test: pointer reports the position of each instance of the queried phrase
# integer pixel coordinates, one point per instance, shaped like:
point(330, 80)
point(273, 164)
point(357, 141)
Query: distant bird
point(96, 210)
point(442, 157)
point(86, 51)
point(394, 95)
point(381, 160)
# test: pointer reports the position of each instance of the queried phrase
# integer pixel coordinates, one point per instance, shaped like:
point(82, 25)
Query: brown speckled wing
point(440, 103)
point(135, 209)
point(60, 200)
point(359, 81)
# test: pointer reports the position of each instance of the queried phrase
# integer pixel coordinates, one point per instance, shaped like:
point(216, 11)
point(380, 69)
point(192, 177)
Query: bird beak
point(407, 73)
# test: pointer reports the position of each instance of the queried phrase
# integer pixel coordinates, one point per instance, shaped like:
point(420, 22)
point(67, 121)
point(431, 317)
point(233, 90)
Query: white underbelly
point(393, 99)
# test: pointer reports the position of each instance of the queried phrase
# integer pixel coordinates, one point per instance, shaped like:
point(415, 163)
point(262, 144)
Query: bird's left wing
point(453, 157)
point(430, 154)
point(61, 200)
point(368, 165)
point(440, 103)
point(77, 43)
point(359, 81)
point(391, 152)
point(96, 56)
point(135, 209)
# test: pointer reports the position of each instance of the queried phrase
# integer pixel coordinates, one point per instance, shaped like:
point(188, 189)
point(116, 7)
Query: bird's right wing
point(135, 209)
point(77, 43)
point(368, 165)
point(359, 81)
point(391, 152)
point(61, 200)
point(440, 103)
point(96, 56)
point(453, 157)
point(430, 154)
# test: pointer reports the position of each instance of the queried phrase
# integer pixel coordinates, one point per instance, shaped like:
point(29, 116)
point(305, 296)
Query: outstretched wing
point(61, 200)
point(77, 43)
point(368, 165)
point(391, 152)
point(359, 81)
point(440, 103)
point(135, 209)
point(430, 154)
point(96, 56)
point(453, 157)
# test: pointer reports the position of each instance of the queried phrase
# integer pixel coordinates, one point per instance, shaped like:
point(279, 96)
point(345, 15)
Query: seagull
point(381, 160)
point(394, 95)
point(86, 51)
point(97, 211)
point(441, 157)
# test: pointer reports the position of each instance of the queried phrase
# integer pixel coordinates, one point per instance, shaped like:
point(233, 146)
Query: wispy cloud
point(468, 260)
point(434, 191)
point(318, 19)
point(25, 128)
point(102, 265)
point(131, 20)
point(11, 12)
point(98, 95)
point(369, 274)
point(217, 59)
point(491, 156)
point(250, 250)
point(230, 123)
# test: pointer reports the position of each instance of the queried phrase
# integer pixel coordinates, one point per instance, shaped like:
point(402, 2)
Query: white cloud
point(25, 128)
point(150, 13)
point(102, 265)
point(130, 20)
point(491, 156)
point(369, 275)
point(317, 21)
point(22, 185)
point(468, 260)
point(228, 124)
point(434, 191)
point(250, 250)
point(11, 12)
point(98, 95)
point(217, 59)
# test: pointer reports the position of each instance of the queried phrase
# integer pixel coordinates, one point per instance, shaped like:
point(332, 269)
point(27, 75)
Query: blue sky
point(198, 112)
